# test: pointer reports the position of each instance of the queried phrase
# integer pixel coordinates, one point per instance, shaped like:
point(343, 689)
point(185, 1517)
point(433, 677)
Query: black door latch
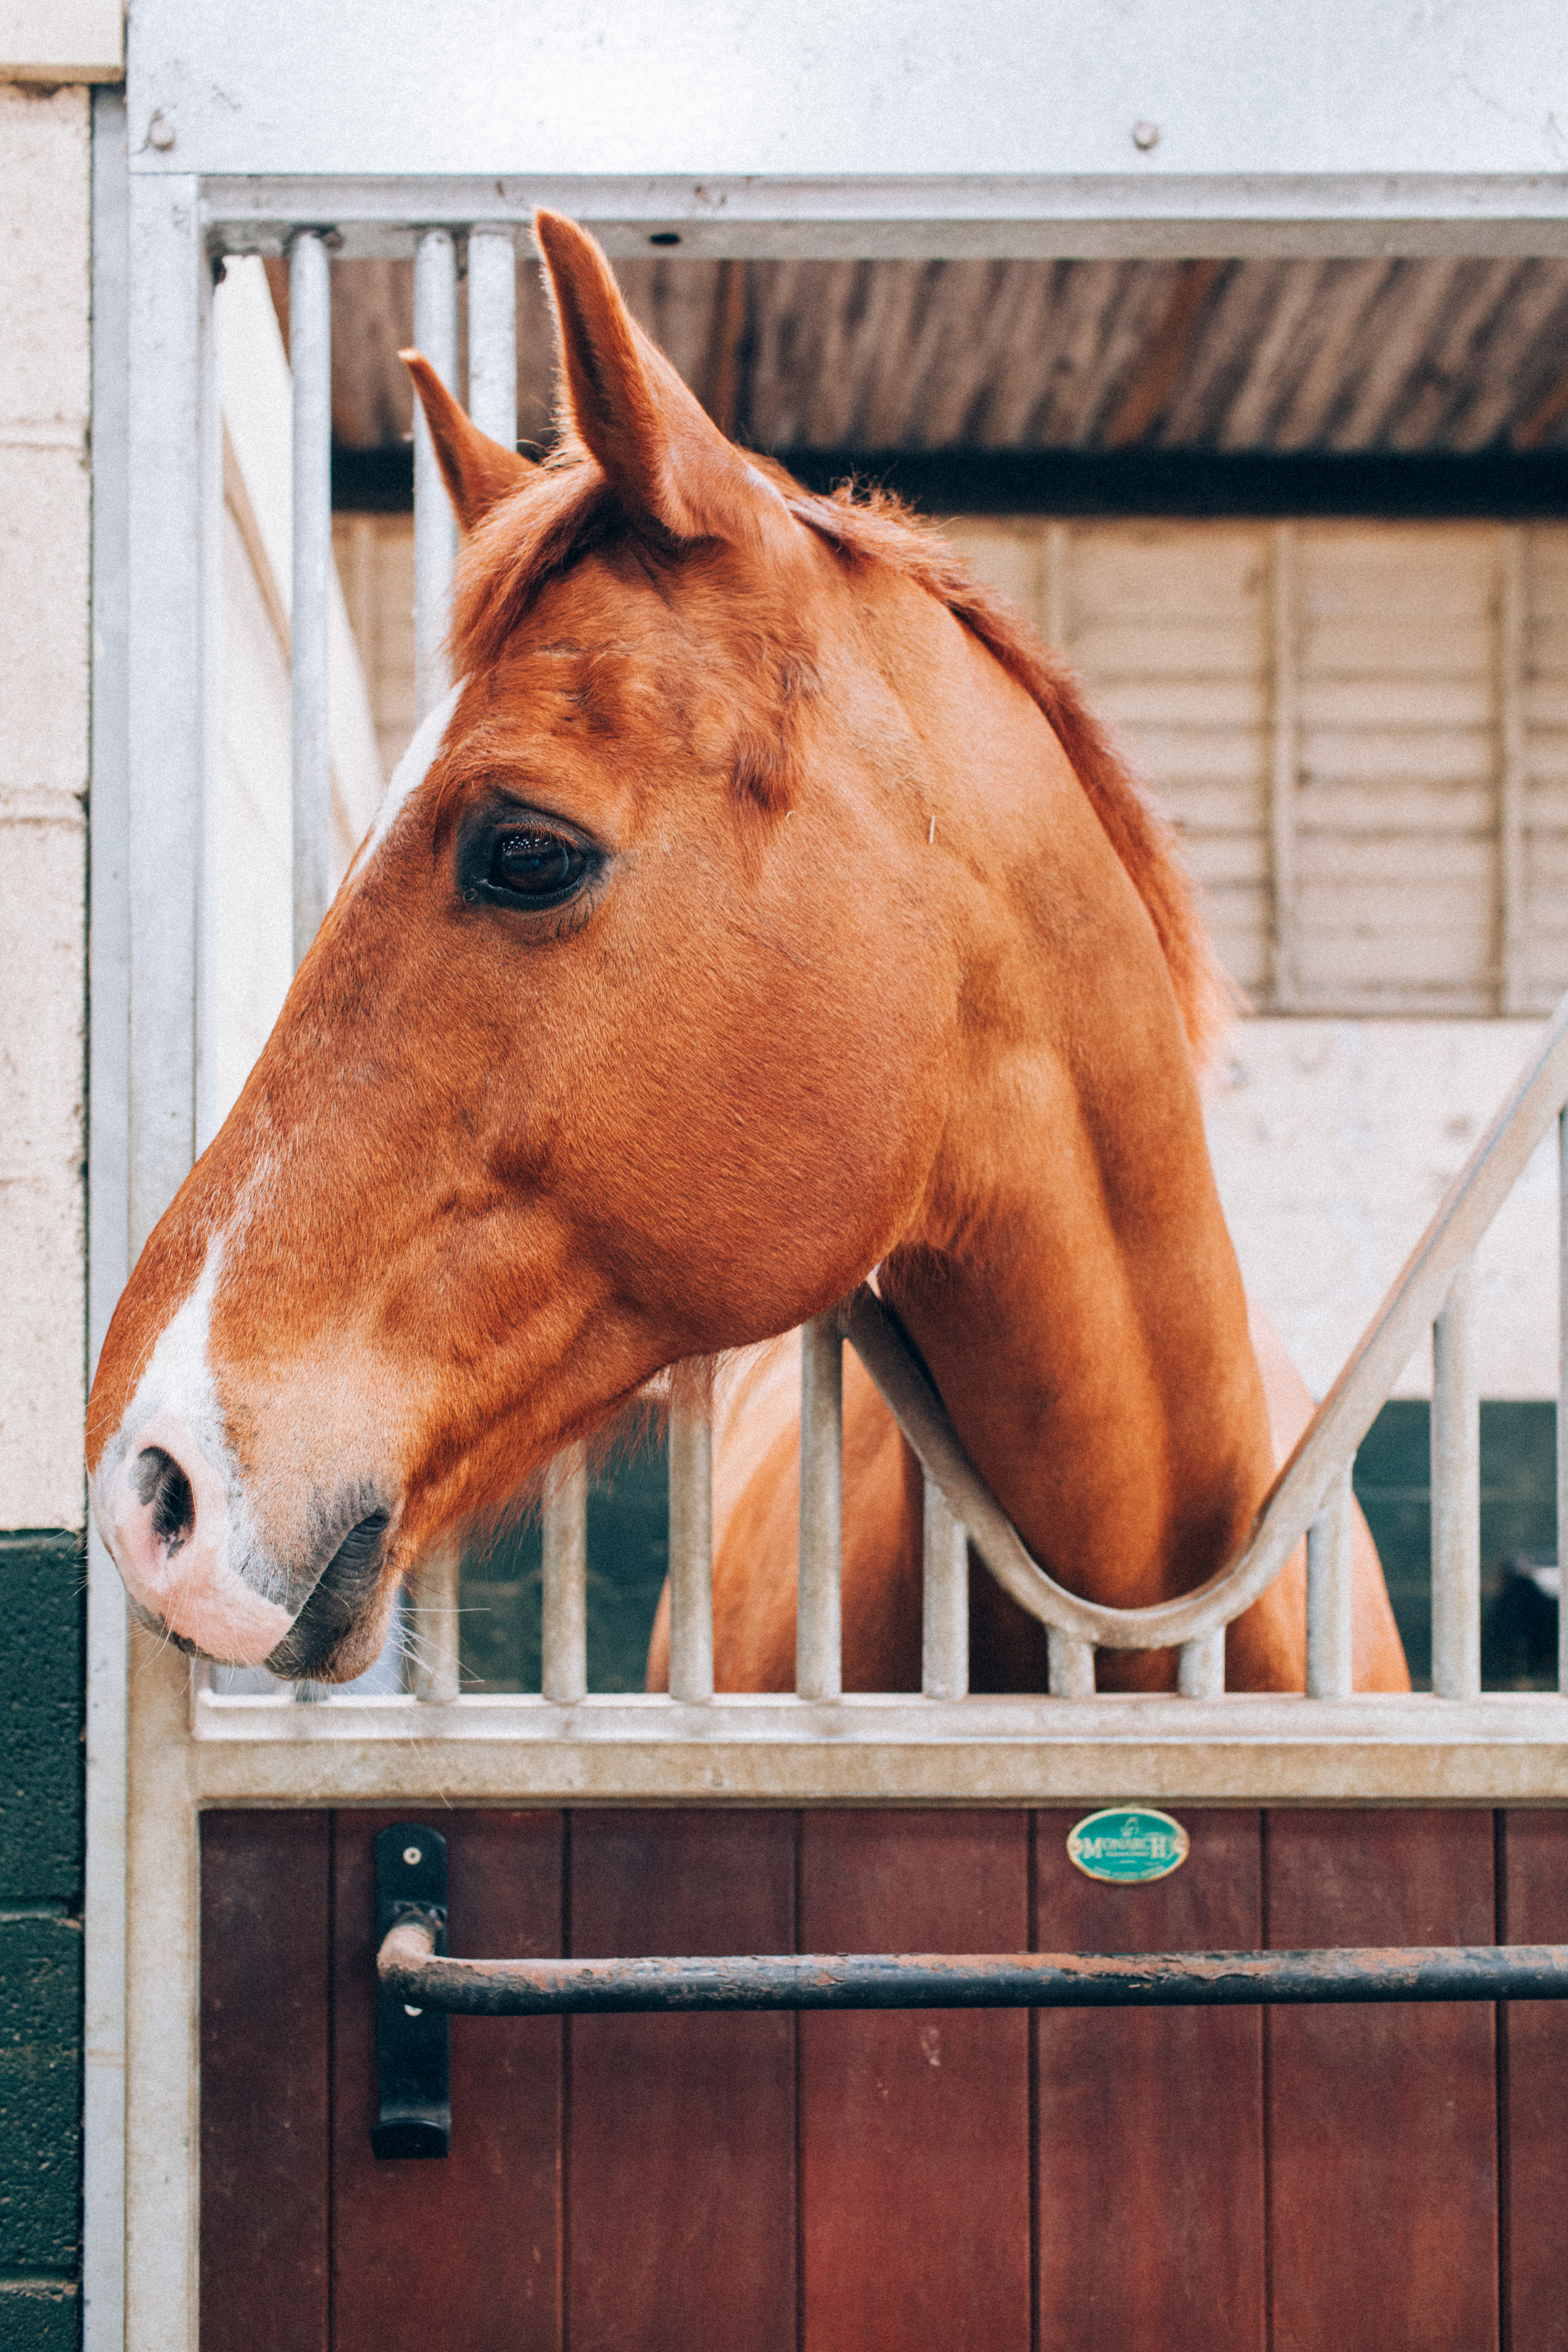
point(413, 2069)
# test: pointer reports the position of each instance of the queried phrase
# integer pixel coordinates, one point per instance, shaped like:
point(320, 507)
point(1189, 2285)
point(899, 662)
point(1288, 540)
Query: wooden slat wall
point(1301, 2181)
point(1379, 734)
point(1545, 714)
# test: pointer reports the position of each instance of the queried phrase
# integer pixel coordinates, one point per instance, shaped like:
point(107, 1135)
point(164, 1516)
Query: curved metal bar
point(1328, 1443)
point(411, 1971)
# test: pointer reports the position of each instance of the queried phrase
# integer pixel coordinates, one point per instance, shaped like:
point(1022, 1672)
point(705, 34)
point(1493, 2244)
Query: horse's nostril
point(159, 1481)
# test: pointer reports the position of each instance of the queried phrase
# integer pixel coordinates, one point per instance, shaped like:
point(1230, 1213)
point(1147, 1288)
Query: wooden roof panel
point(926, 356)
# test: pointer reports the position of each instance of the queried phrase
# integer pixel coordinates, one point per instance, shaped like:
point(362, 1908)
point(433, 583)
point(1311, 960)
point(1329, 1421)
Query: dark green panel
point(1519, 1517)
point(43, 1607)
point(39, 2315)
point(628, 1552)
point(40, 2090)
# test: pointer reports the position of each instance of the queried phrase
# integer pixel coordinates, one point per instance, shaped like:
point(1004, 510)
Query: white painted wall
point(1334, 1140)
point(44, 653)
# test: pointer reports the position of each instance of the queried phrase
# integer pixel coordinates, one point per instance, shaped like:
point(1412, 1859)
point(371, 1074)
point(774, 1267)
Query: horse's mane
point(567, 509)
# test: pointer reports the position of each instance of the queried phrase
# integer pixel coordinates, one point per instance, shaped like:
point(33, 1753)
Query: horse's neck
point(1073, 1288)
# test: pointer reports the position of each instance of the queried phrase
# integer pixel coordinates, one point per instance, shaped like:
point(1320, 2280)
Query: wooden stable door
point(1385, 2180)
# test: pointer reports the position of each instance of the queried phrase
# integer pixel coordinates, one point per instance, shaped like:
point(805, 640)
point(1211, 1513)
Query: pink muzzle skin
point(183, 1579)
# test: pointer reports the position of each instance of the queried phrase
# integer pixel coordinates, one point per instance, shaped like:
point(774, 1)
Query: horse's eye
point(536, 867)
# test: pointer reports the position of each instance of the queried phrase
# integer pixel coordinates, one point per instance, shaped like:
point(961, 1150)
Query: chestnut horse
point(764, 907)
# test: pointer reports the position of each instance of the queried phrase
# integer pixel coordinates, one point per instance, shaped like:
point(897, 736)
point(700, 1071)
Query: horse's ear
point(478, 471)
point(661, 451)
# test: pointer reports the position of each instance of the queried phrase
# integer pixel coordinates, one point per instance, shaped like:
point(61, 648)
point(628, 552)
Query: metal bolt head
point(1145, 136)
point(411, 1855)
point(161, 133)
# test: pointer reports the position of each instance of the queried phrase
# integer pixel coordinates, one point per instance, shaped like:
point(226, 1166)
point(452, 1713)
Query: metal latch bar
point(410, 1968)
point(420, 1985)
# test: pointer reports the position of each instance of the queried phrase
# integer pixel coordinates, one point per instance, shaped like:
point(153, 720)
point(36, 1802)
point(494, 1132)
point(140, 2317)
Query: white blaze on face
point(185, 1566)
point(408, 775)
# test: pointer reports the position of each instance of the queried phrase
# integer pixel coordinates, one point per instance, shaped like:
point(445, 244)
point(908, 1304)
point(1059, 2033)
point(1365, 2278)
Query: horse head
point(636, 1028)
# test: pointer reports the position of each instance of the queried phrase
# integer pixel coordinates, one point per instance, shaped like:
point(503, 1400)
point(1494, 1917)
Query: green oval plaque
point(1128, 1845)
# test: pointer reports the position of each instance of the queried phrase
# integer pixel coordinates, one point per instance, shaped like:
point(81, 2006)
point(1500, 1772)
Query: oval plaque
point(1128, 1845)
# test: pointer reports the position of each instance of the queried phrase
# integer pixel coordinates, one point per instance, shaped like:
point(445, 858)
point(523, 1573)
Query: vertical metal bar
point(434, 525)
point(566, 1577)
point(493, 333)
point(171, 613)
point(1200, 1666)
point(1456, 1494)
point(310, 361)
point(1508, 697)
point(433, 1674)
point(1329, 1592)
point(690, 1553)
point(944, 1621)
point(1069, 1665)
point(818, 1639)
point(1562, 1400)
point(108, 1261)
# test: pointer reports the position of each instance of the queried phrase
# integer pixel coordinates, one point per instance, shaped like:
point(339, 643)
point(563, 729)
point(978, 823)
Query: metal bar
point(409, 1969)
point(1069, 1665)
point(1329, 1594)
point(924, 215)
point(1285, 755)
point(565, 1677)
point(1507, 697)
point(493, 333)
point(690, 1553)
point(433, 1671)
point(944, 1616)
point(819, 1661)
point(1200, 1665)
point(1561, 1399)
point(310, 361)
point(175, 611)
point(434, 525)
point(1329, 1441)
point(1457, 1495)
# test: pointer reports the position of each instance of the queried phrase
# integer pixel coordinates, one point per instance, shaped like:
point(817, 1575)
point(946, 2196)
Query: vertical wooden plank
point(265, 1897)
point(1382, 2121)
point(1150, 2121)
point(915, 2124)
point(680, 2135)
point(1284, 766)
point(1534, 1907)
point(465, 2250)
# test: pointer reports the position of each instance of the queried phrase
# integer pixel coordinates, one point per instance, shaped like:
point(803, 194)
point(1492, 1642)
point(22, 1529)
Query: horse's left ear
point(477, 472)
point(661, 451)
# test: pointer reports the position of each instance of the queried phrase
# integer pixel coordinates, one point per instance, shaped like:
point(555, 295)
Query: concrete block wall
point(45, 585)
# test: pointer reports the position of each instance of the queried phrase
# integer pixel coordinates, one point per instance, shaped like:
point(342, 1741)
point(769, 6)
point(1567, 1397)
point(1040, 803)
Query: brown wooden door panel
point(680, 2130)
point(1149, 2163)
point(633, 2182)
point(465, 2253)
point(1535, 2071)
point(1381, 2121)
point(914, 2125)
point(266, 2009)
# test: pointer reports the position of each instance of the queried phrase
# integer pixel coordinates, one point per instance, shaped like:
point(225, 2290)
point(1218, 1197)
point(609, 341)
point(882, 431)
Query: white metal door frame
point(649, 119)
